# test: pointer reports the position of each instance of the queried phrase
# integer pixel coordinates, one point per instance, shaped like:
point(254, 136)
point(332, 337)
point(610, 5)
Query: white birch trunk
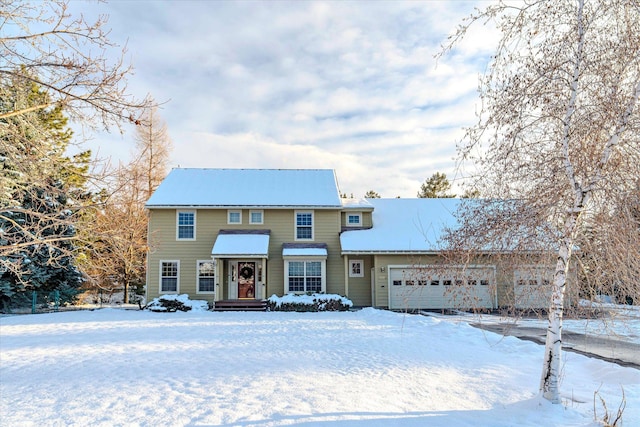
point(549, 383)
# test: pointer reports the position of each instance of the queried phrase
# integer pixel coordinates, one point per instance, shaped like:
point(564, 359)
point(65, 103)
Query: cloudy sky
point(351, 86)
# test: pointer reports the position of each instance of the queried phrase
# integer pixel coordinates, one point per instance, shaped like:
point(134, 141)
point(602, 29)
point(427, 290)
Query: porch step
point(240, 305)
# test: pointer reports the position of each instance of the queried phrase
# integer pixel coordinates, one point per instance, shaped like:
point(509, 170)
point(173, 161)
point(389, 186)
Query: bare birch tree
point(559, 132)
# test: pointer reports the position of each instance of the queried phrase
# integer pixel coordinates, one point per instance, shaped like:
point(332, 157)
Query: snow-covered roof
point(356, 203)
point(248, 243)
point(403, 225)
point(316, 188)
point(304, 249)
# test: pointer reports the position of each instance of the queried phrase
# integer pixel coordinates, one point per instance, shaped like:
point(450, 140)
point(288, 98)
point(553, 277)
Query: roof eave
point(390, 252)
point(243, 207)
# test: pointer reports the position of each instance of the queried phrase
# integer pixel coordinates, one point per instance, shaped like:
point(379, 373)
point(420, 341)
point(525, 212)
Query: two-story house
point(245, 234)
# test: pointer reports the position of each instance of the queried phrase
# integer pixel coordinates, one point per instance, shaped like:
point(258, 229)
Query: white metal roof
point(248, 188)
point(403, 225)
point(304, 252)
point(244, 245)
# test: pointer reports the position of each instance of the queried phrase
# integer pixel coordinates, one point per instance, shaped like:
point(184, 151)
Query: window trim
point(198, 291)
point(353, 262)
point(353, 224)
point(163, 261)
point(295, 225)
point(323, 273)
point(183, 211)
point(260, 211)
point(229, 212)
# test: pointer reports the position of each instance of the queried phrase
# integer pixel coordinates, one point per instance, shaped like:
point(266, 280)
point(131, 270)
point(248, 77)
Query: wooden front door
point(246, 280)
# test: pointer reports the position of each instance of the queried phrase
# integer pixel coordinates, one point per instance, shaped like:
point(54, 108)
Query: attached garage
point(412, 287)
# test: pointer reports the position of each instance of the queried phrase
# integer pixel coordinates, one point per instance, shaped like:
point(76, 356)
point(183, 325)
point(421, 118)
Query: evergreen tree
point(371, 195)
point(436, 187)
point(37, 232)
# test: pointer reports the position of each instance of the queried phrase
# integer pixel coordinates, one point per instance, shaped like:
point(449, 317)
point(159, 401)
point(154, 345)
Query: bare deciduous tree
point(559, 131)
point(117, 259)
point(153, 146)
point(66, 56)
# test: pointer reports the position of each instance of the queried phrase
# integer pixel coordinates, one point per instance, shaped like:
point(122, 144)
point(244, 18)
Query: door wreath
point(246, 272)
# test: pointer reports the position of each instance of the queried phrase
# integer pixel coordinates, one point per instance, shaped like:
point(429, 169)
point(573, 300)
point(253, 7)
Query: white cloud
point(347, 85)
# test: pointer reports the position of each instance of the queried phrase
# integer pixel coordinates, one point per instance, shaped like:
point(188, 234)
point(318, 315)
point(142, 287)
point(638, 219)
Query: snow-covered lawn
point(364, 368)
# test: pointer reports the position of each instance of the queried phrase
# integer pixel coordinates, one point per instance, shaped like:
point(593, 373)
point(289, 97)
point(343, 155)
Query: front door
point(246, 280)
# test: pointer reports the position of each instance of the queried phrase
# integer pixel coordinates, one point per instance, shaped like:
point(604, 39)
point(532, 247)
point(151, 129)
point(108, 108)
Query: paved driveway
point(612, 349)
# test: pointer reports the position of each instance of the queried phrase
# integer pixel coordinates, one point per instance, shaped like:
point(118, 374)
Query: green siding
point(360, 287)
point(367, 220)
point(164, 246)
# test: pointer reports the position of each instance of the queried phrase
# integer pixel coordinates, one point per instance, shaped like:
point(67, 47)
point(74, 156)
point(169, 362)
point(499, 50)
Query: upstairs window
point(234, 217)
point(186, 222)
point(255, 217)
point(304, 225)
point(354, 219)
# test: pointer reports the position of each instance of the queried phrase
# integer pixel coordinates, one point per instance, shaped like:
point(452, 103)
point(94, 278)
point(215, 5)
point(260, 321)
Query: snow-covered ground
point(363, 368)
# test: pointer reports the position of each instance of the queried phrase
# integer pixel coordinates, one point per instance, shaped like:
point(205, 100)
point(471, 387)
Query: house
point(246, 234)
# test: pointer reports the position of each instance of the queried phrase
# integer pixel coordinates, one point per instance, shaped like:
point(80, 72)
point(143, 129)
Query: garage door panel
point(422, 288)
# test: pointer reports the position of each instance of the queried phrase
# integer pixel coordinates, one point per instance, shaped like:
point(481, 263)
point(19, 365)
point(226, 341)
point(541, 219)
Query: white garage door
point(532, 287)
point(452, 287)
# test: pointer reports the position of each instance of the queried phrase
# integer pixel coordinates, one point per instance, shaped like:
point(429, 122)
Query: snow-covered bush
point(173, 303)
point(309, 302)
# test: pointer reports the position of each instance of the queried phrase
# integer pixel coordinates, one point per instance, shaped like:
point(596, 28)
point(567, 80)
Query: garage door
point(532, 287)
point(453, 287)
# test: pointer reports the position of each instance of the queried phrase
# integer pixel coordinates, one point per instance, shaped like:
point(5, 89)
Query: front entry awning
point(241, 244)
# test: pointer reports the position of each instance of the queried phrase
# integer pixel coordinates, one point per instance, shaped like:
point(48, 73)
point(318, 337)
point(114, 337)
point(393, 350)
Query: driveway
point(611, 348)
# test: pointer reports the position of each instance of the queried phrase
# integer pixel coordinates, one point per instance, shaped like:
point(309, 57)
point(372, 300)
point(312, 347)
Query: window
point(255, 217)
point(304, 225)
point(234, 217)
point(356, 268)
point(410, 282)
point(435, 282)
point(446, 282)
point(397, 282)
point(186, 225)
point(169, 276)
point(206, 277)
point(354, 219)
point(305, 276)
point(533, 276)
point(422, 283)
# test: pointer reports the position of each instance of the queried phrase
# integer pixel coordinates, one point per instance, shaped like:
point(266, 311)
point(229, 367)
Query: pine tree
point(436, 187)
point(37, 229)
